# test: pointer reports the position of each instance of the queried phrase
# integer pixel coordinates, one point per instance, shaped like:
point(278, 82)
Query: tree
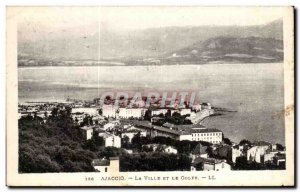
point(280, 147)
point(148, 116)
point(76, 120)
point(168, 114)
point(136, 141)
point(53, 146)
point(176, 114)
point(241, 163)
point(125, 142)
point(227, 141)
point(54, 112)
point(108, 152)
point(245, 142)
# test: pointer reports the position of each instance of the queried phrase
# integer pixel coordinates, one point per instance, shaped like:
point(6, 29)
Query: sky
point(38, 20)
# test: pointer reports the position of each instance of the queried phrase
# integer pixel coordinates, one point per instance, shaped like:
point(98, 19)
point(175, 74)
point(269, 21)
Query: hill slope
point(230, 50)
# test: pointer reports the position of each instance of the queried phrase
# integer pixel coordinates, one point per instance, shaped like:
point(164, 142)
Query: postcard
point(150, 96)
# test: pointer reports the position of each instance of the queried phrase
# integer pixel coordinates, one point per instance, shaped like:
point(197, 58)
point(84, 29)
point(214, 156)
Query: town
point(139, 138)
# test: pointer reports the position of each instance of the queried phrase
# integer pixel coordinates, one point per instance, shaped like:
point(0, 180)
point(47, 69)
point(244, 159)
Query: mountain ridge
point(137, 45)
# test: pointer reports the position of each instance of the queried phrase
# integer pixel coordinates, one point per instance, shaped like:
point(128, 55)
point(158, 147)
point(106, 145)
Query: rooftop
point(87, 128)
point(206, 130)
point(100, 162)
point(184, 127)
point(206, 160)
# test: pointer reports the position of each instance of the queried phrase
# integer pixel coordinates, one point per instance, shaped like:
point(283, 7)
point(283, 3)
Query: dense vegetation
point(57, 145)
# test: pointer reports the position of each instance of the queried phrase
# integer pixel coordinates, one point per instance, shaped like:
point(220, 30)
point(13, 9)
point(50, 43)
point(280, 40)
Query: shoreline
point(128, 65)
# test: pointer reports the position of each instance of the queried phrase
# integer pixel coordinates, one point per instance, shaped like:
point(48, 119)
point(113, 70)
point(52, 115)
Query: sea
point(254, 92)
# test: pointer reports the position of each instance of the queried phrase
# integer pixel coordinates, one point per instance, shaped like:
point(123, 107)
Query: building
point(205, 106)
point(237, 151)
point(161, 148)
point(269, 156)
point(170, 149)
point(158, 112)
point(109, 111)
point(199, 116)
point(109, 126)
point(197, 107)
point(209, 164)
point(98, 119)
point(86, 110)
point(256, 153)
point(131, 113)
point(199, 151)
point(216, 165)
point(88, 132)
point(211, 135)
point(170, 126)
point(130, 133)
point(185, 111)
point(280, 160)
point(79, 116)
point(111, 140)
point(110, 165)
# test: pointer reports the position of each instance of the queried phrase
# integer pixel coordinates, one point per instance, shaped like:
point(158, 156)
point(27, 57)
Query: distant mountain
point(148, 43)
point(230, 50)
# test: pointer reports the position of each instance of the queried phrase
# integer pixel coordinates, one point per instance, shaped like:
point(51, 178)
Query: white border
point(107, 2)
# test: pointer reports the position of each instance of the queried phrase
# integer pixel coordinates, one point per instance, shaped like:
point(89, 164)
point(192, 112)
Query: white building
point(109, 126)
point(213, 136)
point(109, 111)
point(106, 166)
point(237, 151)
point(216, 165)
point(131, 113)
point(256, 153)
point(270, 156)
point(170, 149)
point(197, 107)
point(88, 131)
point(111, 140)
point(185, 111)
point(86, 110)
point(205, 106)
point(159, 111)
point(209, 164)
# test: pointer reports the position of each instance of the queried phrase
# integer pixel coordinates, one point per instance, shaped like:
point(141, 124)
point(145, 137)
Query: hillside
point(230, 50)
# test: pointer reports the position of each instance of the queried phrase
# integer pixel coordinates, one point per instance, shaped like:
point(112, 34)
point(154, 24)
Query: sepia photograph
point(150, 96)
